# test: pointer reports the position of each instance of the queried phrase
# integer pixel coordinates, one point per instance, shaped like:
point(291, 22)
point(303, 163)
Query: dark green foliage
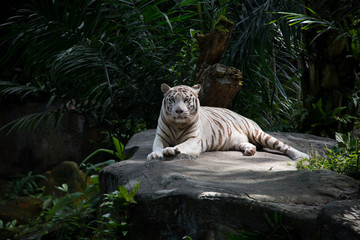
point(344, 158)
point(106, 59)
point(268, 54)
point(334, 26)
point(323, 119)
point(25, 185)
point(8, 229)
point(118, 153)
point(75, 215)
point(103, 59)
point(345, 22)
point(113, 220)
point(80, 215)
point(32, 121)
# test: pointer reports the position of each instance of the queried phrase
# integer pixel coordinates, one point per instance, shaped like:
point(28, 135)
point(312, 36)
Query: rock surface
point(340, 220)
point(225, 191)
point(46, 146)
point(23, 209)
point(66, 172)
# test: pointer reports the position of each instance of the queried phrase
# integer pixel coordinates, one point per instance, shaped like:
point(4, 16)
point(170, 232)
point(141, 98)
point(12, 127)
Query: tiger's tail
point(261, 138)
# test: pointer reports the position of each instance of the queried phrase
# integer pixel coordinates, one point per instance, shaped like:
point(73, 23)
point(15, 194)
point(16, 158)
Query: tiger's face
point(181, 103)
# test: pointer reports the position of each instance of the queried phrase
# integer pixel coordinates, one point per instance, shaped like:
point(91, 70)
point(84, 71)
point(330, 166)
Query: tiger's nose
point(178, 111)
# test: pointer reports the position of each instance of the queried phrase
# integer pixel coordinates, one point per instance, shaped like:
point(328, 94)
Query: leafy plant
point(106, 59)
point(87, 214)
point(10, 225)
point(346, 23)
point(66, 217)
point(268, 56)
point(187, 238)
point(8, 230)
point(75, 215)
point(113, 220)
point(188, 55)
point(324, 119)
point(118, 152)
point(102, 59)
point(344, 158)
point(25, 185)
point(336, 27)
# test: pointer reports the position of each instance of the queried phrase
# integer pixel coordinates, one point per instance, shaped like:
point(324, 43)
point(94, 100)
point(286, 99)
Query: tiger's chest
point(178, 135)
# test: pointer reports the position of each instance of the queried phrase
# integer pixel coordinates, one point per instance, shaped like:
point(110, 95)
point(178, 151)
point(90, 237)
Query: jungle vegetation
point(106, 59)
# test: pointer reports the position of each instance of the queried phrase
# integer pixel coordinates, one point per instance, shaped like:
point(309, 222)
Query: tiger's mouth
point(180, 117)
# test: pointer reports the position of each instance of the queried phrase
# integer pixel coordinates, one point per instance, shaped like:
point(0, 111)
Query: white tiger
point(186, 127)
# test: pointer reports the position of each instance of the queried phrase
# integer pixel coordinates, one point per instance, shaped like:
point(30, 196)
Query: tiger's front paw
point(170, 151)
point(154, 155)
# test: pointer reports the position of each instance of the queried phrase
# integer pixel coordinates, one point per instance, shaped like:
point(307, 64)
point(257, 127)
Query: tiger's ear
point(197, 88)
point(165, 88)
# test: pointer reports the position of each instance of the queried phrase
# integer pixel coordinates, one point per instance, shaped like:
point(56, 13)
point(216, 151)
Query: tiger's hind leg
point(248, 148)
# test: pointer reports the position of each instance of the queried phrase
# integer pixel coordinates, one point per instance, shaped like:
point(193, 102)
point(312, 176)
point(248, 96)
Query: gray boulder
point(340, 220)
point(221, 192)
point(46, 146)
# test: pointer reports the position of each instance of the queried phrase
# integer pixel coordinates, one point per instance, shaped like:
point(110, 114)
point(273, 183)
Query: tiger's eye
point(171, 99)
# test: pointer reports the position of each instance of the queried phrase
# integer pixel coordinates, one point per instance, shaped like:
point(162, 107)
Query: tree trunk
point(219, 83)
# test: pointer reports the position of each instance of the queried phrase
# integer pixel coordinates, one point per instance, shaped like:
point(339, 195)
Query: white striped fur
point(186, 127)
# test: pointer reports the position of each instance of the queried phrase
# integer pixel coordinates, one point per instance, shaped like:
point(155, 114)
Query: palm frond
point(31, 121)
point(8, 88)
point(107, 58)
point(267, 52)
point(337, 22)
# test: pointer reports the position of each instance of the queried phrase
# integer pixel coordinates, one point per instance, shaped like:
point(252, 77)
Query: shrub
point(344, 158)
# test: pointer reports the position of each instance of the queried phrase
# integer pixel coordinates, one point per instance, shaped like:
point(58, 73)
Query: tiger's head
point(181, 103)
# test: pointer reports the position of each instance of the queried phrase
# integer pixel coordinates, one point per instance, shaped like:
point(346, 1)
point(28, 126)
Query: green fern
point(26, 185)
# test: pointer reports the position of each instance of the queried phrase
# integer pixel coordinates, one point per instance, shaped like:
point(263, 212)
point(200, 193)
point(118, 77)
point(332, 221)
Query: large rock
point(21, 209)
point(340, 220)
point(46, 146)
point(225, 191)
point(66, 172)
